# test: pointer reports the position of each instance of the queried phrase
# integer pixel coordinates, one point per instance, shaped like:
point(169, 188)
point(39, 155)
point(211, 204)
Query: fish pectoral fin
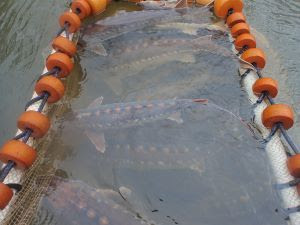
point(181, 4)
point(176, 117)
point(97, 102)
point(97, 139)
point(97, 49)
point(125, 192)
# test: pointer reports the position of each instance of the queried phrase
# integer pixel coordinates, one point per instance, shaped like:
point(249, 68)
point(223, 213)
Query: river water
point(26, 29)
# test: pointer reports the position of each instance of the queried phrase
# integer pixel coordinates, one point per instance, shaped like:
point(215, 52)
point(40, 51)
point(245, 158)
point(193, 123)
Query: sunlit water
point(208, 169)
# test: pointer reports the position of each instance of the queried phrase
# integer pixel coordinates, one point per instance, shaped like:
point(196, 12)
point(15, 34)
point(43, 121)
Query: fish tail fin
point(181, 4)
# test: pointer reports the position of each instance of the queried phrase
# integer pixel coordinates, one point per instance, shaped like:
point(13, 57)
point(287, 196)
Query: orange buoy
point(265, 84)
point(81, 8)
point(61, 61)
point(97, 6)
point(6, 195)
point(51, 85)
point(240, 28)
point(71, 19)
point(35, 121)
point(245, 40)
point(64, 45)
point(234, 18)
point(221, 7)
point(20, 153)
point(293, 164)
point(278, 113)
point(255, 56)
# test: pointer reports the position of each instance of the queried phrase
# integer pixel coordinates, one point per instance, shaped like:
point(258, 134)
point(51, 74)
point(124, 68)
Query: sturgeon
point(97, 117)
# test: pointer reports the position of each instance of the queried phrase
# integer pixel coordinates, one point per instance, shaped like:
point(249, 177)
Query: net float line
point(19, 154)
point(272, 119)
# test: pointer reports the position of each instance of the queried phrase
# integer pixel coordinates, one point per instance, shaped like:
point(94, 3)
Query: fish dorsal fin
point(97, 102)
point(181, 4)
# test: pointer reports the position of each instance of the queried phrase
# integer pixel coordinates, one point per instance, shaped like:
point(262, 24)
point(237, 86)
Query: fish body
point(192, 28)
point(127, 58)
point(74, 202)
point(120, 115)
point(97, 117)
point(161, 12)
point(158, 5)
point(128, 21)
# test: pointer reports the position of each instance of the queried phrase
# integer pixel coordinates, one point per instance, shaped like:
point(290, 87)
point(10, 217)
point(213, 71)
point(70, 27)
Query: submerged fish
point(97, 117)
point(164, 157)
point(74, 202)
point(152, 5)
point(193, 28)
point(125, 22)
point(127, 58)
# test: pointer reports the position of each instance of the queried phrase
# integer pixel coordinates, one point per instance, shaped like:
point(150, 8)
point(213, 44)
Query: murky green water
point(26, 30)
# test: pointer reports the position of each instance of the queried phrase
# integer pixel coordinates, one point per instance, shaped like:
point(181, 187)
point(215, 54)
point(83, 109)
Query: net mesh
point(35, 181)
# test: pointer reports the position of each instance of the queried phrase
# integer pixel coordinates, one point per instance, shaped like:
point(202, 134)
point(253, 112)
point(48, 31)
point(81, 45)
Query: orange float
point(278, 113)
point(98, 6)
point(221, 7)
point(234, 18)
point(265, 84)
point(61, 61)
point(64, 45)
point(293, 164)
point(255, 56)
point(71, 19)
point(239, 28)
point(6, 195)
point(35, 121)
point(51, 85)
point(81, 8)
point(245, 40)
point(20, 153)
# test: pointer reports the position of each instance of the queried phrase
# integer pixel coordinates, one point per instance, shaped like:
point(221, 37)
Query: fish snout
point(200, 100)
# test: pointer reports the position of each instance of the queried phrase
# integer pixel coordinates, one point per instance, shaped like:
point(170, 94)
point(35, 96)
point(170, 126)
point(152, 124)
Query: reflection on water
point(209, 169)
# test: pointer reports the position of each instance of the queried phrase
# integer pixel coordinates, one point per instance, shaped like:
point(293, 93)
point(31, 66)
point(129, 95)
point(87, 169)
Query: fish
point(193, 28)
point(98, 118)
point(125, 22)
point(158, 5)
point(154, 156)
point(128, 58)
point(73, 202)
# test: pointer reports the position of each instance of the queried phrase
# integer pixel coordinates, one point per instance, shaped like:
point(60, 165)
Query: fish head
point(200, 100)
point(74, 202)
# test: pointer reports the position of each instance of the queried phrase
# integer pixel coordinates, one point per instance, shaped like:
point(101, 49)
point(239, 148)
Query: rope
point(25, 135)
point(275, 150)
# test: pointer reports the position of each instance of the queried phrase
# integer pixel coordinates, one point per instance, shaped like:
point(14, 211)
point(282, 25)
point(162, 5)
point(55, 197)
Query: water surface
point(27, 28)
